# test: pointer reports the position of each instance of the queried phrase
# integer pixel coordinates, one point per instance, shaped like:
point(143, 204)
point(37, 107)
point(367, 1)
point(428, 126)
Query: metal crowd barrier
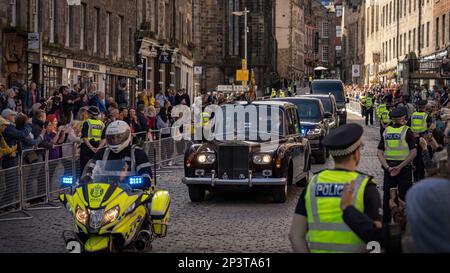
point(354, 107)
point(40, 179)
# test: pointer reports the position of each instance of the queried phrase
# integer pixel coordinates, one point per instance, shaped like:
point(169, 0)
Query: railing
point(37, 177)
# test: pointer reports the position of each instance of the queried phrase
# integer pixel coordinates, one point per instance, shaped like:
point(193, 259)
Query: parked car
point(314, 124)
point(238, 158)
point(330, 106)
point(335, 87)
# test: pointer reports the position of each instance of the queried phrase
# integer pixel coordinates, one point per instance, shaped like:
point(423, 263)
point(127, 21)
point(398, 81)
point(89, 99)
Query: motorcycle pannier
point(160, 214)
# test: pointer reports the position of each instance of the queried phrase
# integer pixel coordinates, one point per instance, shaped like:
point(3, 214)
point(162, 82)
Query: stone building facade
point(166, 45)
point(325, 25)
point(219, 42)
point(290, 27)
point(88, 44)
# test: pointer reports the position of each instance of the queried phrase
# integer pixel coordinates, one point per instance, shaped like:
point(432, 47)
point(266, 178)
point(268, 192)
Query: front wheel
point(197, 193)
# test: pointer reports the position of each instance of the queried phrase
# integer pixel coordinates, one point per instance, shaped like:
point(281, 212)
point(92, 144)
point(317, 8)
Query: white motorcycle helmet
point(118, 136)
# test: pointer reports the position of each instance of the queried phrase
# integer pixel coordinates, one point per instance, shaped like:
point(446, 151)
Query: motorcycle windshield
point(112, 172)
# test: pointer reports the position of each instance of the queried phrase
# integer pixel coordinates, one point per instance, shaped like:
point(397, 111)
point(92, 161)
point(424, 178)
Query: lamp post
point(244, 13)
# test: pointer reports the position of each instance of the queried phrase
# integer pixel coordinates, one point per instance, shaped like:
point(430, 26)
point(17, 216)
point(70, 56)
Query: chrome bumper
point(213, 181)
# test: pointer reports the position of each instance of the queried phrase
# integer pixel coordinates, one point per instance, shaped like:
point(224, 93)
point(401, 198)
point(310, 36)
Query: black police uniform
point(403, 181)
point(143, 166)
point(419, 172)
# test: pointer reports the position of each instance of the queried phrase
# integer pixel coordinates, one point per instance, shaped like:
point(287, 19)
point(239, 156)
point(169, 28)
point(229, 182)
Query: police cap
point(93, 110)
point(399, 112)
point(344, 140)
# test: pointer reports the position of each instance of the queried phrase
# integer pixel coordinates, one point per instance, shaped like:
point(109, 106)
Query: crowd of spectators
point(30, 121)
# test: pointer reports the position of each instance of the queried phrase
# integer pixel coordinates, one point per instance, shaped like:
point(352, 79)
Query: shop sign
point(74, 64)
point(123, 72)
point(164, 58)
point(47, 60)
point(33, 40)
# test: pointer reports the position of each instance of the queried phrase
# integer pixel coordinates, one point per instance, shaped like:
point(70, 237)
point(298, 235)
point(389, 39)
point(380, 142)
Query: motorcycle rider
point(119, 147)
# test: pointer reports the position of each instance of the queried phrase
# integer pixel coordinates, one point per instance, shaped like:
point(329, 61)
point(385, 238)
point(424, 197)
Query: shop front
point(52, 72)
point(120, 76)
point(85, 74)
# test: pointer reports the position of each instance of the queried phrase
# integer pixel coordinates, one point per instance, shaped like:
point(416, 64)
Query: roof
point(271, 102)
point(327, 80)
point(296, 98)
point(315, 96)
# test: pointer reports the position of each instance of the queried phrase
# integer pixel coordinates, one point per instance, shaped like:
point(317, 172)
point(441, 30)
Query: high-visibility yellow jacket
point(327, 231)
point(419, 122)
point(395, 146)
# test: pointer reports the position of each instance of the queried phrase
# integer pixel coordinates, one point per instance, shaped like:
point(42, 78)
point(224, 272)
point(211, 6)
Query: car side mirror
point(328, 115)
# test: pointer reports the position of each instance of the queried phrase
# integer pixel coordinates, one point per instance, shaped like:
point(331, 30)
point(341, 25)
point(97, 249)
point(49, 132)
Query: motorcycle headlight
point(111, 215)
point(208, 158)
point(262, 159)
point(81, 215)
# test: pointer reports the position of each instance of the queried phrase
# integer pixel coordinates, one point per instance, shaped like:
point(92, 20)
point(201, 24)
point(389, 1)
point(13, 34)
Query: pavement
point(241, 222)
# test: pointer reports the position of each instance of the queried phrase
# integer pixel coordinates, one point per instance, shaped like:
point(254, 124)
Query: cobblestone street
point(225, 222)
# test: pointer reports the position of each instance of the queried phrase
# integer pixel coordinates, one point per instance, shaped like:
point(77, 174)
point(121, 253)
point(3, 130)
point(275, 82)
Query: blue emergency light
point(134, 181)
point(67, 181)
point(304, 131)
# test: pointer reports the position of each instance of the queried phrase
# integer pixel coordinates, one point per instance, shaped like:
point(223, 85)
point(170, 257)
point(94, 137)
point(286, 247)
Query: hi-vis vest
point(369, 102)
point(274, 94)
point(385, 116)
point(380, 109)
point(362, 99)
point(395, 146)
point(327, 231)
point(95, 129)
point(419, 122)
point(205, 118)
point(282, 95)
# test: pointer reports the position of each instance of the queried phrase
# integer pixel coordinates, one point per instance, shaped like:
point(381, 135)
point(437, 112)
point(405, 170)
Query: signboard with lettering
point(79, 65)
point(232, 88)
point(198, 70)
point(164, 58)
point(33, 40)
point(355, 71)
point(47, 60)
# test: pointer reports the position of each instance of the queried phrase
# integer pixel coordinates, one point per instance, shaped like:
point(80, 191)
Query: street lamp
point(244, 13)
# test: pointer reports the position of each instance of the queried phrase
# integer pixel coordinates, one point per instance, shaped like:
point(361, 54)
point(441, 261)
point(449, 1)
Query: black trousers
point(403, 181)
point(86, 154)
point(369, 116)
point(419, 172)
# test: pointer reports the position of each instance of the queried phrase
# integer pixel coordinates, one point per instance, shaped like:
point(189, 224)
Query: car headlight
point(206, 158)
point(111, 215)
point(81, 215)
point(262, 159)
point(314, 132)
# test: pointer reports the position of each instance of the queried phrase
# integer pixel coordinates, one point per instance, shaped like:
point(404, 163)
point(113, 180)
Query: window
point(377, 19)
point(394, 49)
point(390, 12)
point(338, 51)
point(130, 42)
point(400, 8)
point(52, 17)
point(338, 31)
point(414, 5)
point(409, 41)
point(83, 18)
point(404, 12)
point(393, 12)
point(154, 16)
point(68, 24)
point(437, 32)
point(414, 39)
point(325, 29)
point(428, 34)
point(443, 29)
point(409, 8)
point(423, 36)
point(325, 54)
point(107, 32)
point(338, 11)
point(119, 38)
point(400, 45)
point(372, 21)
point(96, 28)
point(382, 17)
point(390, 52)
point(404, 42)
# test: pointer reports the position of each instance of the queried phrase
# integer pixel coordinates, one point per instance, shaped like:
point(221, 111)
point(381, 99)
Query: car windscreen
point(326, 88)
point(327, 106)
point(309, 110)
point(249, 122)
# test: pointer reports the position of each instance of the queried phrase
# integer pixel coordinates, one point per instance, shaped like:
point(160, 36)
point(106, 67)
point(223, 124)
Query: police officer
point(120, 149)
point(362, 102)
point(396, 151)
point(92, 136)
point(419, 122)
point(282, 94)
point(385, 119)
point(380, 108)
point(368, 105)
point(274, 93)
point(318, 225)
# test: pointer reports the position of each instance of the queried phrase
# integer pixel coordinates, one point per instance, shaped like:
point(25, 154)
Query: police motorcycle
point(111, 213)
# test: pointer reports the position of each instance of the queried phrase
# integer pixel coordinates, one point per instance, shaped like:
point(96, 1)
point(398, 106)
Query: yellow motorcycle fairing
point(97, 196)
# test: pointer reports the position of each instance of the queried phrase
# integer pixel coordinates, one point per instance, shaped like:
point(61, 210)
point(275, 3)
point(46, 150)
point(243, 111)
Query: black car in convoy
point(314, 124)
point(251, 154)
point(335, 87)
point(330, 106)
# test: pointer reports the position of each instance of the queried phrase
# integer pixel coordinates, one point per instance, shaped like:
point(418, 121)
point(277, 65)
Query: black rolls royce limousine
point(253, 154)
